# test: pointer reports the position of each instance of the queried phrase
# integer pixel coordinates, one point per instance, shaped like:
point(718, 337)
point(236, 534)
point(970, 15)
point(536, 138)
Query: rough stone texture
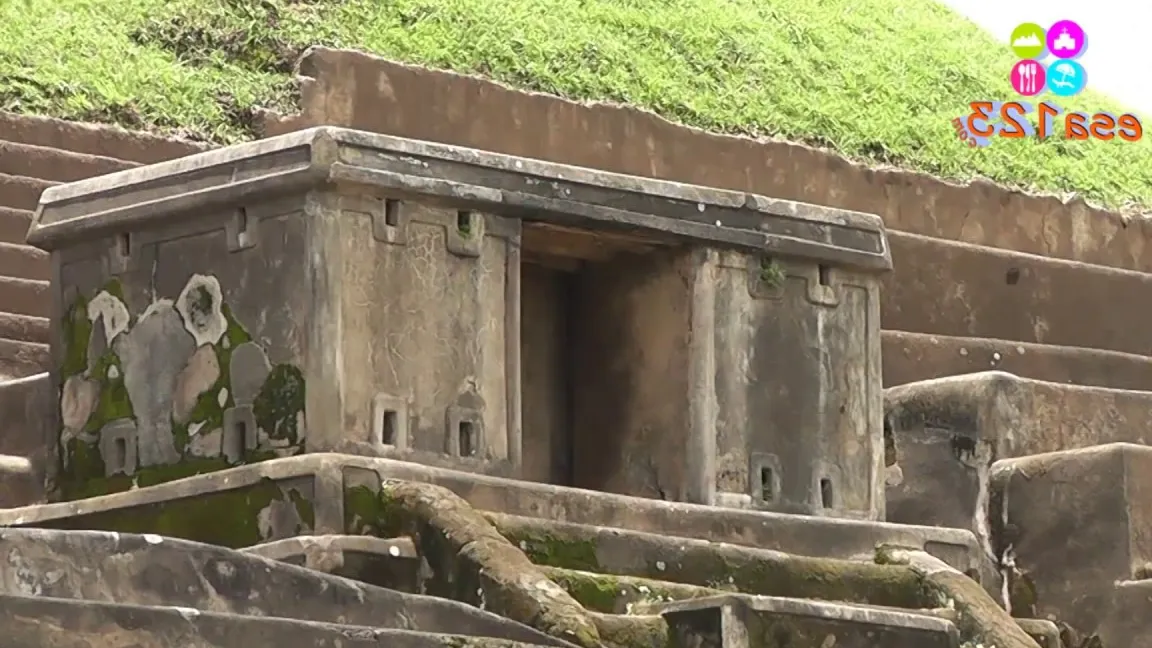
point(1127, 622)
point(1069, 525)
point(85, 624)
point(805, 535)
point(732, 621)
point(440, 230)
point(149, 570)
point(949, 288)
point(944, 435)
point(365, 92)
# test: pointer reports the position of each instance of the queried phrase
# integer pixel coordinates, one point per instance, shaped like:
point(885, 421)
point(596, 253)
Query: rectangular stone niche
point(331, 290)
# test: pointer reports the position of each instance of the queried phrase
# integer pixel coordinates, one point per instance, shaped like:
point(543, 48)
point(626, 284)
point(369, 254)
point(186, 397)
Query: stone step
point(737, 621)
point(24, 297)
point(24, 328)
point(962, 290)
point(943, 435)
point(911, 357)
point(22, 192)
point(24, 262)
point(14, 224)
point(102, 568)
point(41, 621)
point(91, 139)
point(55, 164)
point(19, 359)
point(1070, 525)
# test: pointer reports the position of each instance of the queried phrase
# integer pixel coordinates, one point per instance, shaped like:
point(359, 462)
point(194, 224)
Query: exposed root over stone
point(472, 562)
point(711, 564)
point(978, 617)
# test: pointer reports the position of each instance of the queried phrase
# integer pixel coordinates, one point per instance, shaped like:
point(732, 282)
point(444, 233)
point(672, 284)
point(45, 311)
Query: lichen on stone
point(279, 405)
point(111, 311)
point(227, 518)
point(200, 305)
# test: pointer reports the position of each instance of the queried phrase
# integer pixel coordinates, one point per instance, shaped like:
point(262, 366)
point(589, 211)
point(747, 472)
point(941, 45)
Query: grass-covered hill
point(877, 80)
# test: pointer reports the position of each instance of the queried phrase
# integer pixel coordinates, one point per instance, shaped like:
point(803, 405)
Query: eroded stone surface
point(1068, 526)
point(54, 622)
point(145, 570)
point(201, 372)
point(154, 352)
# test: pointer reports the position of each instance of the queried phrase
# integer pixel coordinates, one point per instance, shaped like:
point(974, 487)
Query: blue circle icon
point(1066, 78)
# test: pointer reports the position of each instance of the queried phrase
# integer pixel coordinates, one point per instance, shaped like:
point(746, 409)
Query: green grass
point(878, 80)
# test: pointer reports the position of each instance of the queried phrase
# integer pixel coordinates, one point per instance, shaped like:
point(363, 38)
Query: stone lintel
point(397, 168)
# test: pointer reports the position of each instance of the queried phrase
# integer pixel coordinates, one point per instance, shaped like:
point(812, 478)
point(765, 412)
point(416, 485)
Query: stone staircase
point(35, 154)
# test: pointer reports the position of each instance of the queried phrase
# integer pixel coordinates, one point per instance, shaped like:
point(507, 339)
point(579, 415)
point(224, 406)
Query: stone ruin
point(340, 388)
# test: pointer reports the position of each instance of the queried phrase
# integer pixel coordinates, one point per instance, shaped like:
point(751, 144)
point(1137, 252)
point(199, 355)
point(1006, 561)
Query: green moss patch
point(229, 518)
point(612, 594)
point(545, 548)
point(82, 474)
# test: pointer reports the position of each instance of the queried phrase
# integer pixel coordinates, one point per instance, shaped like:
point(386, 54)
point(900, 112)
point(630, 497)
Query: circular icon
point(1028, 41)
point(1066, 39)
point(1066, 78)
point(1028, 77)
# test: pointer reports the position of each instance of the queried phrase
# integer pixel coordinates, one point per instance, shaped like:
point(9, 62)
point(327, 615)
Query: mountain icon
point(1030, 40)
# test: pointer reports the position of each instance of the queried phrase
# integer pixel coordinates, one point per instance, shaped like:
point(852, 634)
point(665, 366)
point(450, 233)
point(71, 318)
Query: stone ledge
point(949, 288)
point(913, 357)
point(465, 178)
point(93, 139)
point(55, 164)
point(330, 474)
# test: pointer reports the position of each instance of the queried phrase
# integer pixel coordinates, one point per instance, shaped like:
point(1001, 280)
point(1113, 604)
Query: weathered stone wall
point(159, 371)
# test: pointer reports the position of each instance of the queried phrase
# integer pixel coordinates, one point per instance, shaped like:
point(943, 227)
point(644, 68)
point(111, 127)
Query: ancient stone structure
point(510, 381)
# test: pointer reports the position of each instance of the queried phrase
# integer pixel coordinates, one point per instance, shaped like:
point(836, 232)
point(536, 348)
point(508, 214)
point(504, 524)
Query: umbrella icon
point(1065, 71)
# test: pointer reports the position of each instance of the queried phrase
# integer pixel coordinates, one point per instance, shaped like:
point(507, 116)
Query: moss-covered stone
point(77, 330)
point(626, 631)
point(229, 518)
point(545, 548)
point(613, 594)
point(81, 471)
point(369, 512)
point(280, 402)
point(714, 565)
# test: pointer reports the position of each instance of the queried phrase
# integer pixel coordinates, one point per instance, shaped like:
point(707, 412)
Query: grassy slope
point(878, 80)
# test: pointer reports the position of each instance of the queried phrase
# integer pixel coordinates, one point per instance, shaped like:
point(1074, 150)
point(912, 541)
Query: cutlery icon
point(1027, 77)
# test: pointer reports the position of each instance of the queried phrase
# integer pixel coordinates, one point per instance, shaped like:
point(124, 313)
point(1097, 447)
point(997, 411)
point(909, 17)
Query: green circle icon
point(1028, 41)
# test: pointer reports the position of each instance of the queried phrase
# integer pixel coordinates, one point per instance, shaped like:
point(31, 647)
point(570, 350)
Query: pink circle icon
point(1028, 78)
point(1066, 39)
